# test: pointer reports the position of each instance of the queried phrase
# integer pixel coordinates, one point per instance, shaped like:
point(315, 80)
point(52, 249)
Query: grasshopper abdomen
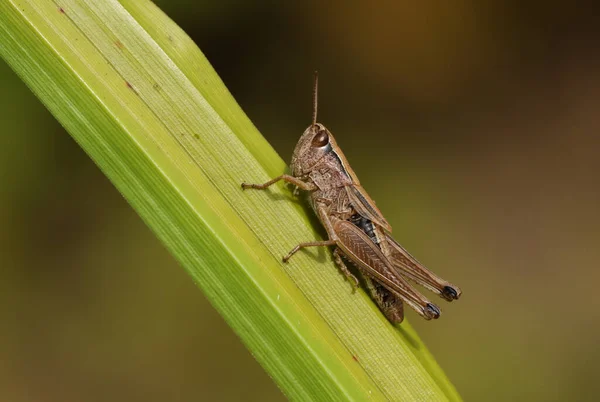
point(366, 226)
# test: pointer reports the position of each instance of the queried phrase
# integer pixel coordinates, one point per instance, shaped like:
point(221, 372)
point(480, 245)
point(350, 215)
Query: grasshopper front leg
point(302, 185)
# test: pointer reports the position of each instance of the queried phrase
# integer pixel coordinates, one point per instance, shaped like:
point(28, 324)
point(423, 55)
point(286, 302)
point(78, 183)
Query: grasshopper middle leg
point(308, 244)
point(322, 212)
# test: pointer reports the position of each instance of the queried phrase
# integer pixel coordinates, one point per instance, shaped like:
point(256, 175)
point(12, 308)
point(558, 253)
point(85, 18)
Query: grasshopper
point(356, 227)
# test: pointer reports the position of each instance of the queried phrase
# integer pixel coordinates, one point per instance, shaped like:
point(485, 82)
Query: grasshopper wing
point(414, 270)
point(372, 262)
point(365, 206)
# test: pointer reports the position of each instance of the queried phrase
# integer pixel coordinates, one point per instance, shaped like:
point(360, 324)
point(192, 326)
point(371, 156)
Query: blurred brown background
point(473, 124)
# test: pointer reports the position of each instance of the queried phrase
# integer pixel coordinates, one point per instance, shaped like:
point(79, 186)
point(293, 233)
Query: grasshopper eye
point(320, 140)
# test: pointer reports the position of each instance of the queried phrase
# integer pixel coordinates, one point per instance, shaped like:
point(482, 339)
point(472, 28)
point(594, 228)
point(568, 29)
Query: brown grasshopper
point(356, 227)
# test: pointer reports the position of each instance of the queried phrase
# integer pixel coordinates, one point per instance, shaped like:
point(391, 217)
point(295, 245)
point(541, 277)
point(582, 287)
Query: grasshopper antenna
point(315, 98)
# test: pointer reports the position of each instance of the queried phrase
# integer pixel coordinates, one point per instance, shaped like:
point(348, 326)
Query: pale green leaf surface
point(144, 103)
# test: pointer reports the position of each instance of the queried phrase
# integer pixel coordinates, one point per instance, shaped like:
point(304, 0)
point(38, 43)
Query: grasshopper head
point(315, 143)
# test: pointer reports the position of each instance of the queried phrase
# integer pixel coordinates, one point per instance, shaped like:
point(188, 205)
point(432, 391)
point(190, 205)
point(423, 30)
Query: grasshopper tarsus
point(256, 186)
